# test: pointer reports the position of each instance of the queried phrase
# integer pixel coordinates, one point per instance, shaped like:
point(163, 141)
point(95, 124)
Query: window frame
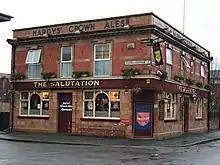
point(199, 102)
point(173, 104)
point(37, 63)
point(106, 59)
point(34, 78)
point(63, 62)
point(169, 64)
point(28, 54)
point(30, 93)
point(107, 92)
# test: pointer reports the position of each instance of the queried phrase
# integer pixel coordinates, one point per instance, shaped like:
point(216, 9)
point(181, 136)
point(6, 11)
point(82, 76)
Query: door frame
point(134, 119)
point(186, 129)
point(58, 110)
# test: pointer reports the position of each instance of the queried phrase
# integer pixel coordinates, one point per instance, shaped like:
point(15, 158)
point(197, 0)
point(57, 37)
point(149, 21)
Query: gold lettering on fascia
point(186, 89)
point(85, 83)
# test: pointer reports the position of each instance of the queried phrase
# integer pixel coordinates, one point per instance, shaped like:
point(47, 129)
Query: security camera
point(159, 72)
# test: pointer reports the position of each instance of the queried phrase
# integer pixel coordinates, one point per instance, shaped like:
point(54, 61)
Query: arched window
point(101, 105)
point(35, 105)
point(104, 104)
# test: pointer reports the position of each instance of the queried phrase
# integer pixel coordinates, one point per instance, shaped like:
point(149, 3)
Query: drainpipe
point(209, 94)
point(14, 46)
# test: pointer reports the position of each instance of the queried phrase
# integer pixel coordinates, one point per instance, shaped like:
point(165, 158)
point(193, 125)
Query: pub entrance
point(143, 114)
point(65, 112)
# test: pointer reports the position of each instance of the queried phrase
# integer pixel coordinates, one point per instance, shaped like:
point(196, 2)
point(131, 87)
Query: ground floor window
point(34, 103)
point(199, 108)
point(101, 104)
point(170, 106)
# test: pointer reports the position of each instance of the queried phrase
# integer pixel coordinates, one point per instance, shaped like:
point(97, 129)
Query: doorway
point(65, 112)
point(186, 114)
point(143, 120)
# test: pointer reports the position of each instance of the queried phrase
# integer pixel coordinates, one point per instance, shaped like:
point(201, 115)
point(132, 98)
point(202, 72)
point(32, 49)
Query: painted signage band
point(68, 83)
point(186, 89)
point(85, 27)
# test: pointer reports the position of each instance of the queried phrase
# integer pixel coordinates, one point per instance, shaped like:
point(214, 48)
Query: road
point(48, 154)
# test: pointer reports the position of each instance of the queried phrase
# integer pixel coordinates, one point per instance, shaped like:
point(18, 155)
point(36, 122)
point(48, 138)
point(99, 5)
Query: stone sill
point(198, 118)
point(170, 120)
point(100, 119)
point(33, 117)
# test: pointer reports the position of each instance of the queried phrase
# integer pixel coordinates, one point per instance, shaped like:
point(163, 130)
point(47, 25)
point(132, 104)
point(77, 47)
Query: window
point(98, 104)
point(33, 61)
point(102, 60)
point(192, 71)
point(34, 104)
point(202, 73)
point(170, 107)
point(199, 108)
point(169, 62)
point(66, 62)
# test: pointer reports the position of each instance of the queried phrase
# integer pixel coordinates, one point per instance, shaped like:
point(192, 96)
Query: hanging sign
point(157, 54)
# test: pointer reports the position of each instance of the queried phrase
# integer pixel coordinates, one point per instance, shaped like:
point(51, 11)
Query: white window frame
point(28, 99)
point(199, 106)
point(169, 63)
point(106, 59)
point(202, 70)
point(31, 53)
point(185, 62)
point(61, 60)
point(94, 97)
point(173, 107)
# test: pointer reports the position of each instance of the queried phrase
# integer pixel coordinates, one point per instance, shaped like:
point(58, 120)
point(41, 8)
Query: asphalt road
point(47, 154)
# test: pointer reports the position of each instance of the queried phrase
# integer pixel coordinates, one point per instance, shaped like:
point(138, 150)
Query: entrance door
point(143, 120)
point(186, 114)
point(65, 112)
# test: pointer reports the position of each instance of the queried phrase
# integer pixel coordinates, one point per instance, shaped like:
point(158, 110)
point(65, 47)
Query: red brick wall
point(20, 58)
point(83, 56)
point(50, 58)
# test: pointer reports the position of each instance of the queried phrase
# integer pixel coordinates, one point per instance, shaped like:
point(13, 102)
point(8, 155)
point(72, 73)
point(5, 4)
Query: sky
point(202, 21)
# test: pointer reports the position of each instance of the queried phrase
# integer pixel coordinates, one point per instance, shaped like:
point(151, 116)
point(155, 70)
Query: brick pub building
point(129, 76)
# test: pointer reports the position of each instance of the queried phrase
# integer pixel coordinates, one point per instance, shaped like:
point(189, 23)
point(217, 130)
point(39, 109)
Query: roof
point(215, 73)
point(5, 75)
point(4, 17)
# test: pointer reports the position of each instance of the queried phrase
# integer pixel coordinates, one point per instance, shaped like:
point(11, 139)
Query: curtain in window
point(66, 69)
point(169, 58)
point(34, 71)
point(102, 68)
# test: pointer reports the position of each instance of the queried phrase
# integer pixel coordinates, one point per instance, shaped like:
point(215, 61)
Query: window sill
point(100, 119)
point(198, 118)
point(34, 117)
point(170, 120)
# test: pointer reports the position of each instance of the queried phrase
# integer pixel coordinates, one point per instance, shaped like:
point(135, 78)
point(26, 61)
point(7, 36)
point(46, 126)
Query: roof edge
point(90, 20)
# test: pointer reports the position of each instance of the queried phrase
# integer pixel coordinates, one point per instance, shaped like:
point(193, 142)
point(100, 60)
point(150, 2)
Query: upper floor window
point(33, 61)
point(202, 73)
point(169, 62)
point(192, 69)
point(66, 62)
point(102, 60)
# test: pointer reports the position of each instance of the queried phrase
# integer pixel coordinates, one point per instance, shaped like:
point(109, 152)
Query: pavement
point(182, 141)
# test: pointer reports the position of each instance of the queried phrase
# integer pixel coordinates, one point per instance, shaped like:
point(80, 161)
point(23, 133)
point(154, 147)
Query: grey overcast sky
point(202, 23)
